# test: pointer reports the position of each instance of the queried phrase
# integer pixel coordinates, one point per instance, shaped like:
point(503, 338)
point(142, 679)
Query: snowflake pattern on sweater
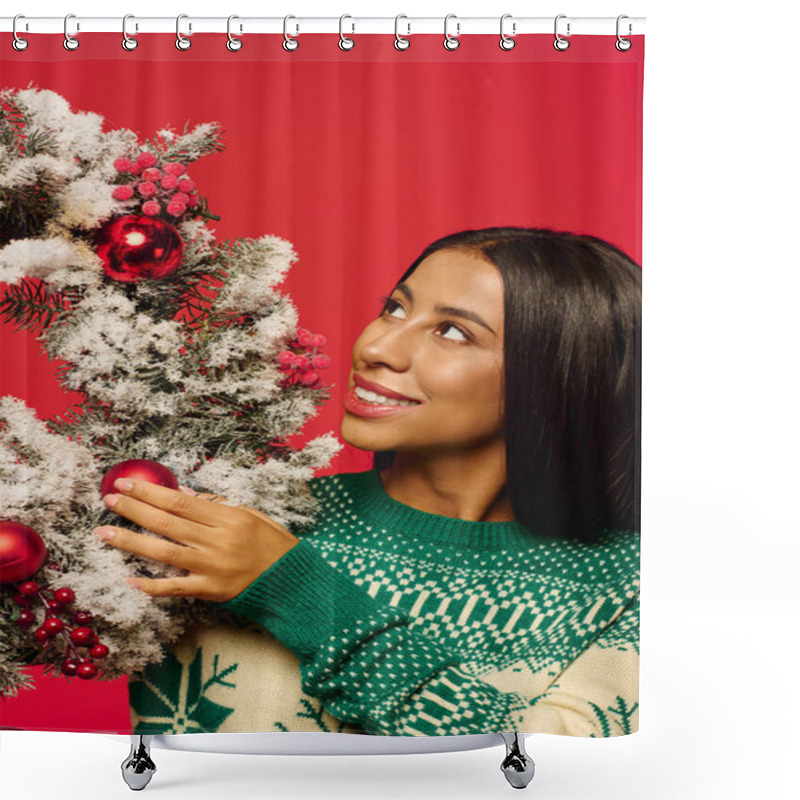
point(402, 622)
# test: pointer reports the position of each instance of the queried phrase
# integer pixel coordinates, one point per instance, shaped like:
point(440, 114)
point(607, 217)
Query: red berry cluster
point(77, 635)
point(302, 360)
point(158, 185)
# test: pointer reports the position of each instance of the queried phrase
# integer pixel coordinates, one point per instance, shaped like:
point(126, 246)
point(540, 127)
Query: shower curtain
point(343, 348)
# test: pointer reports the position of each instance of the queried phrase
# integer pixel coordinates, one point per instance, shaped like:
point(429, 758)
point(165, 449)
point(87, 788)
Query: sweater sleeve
point(361, 659)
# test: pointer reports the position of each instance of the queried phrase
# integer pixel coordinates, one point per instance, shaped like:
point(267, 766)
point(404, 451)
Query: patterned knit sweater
point(385, 619)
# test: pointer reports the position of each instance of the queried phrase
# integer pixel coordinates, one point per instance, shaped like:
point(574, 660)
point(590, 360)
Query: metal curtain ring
point(506, 42)
point(451, 42)
point(289, 42)
point(400, 42)
point(182, 42)
point(345, 42)
point(560, 43)
point(128, 42)
point(18, 43)
point(233, 43)
point(623, 44)
point(70, 42)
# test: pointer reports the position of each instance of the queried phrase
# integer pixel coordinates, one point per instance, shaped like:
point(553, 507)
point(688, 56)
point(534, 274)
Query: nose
point(392, 347)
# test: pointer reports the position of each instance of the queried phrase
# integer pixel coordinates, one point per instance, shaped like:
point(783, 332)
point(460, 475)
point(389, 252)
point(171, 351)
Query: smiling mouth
point(372, 398)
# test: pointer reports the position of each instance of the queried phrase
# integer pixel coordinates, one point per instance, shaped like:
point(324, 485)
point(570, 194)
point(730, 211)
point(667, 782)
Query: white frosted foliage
point(181, 369)
point(58, 260)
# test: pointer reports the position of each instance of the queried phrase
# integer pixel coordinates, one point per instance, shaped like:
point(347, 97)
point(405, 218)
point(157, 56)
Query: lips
point(381, 390)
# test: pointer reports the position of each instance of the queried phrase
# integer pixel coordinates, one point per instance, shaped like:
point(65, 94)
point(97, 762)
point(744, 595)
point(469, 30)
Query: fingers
point(167, 511)
point(152, 547)
point(170, 587)
point(215, 498)
point(183, 504)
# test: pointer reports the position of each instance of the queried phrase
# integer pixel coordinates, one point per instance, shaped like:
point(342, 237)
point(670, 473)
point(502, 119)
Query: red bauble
point(133, 248)
point(22, 551)
point(138, 469)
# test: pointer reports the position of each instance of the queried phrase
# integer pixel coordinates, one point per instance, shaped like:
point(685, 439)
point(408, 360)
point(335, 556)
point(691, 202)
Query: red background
point(360, 159)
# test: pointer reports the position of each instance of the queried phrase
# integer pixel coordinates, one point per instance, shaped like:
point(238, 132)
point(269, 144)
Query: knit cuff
point(302, 601)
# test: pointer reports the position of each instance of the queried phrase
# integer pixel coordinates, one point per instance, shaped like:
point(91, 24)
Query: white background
point(720, 604)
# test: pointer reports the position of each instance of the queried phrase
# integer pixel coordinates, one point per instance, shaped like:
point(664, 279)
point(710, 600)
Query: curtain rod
point(350, 24)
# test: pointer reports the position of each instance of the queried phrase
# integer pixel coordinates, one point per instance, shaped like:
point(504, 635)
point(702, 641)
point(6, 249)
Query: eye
point(390, 305)
point(458, 330)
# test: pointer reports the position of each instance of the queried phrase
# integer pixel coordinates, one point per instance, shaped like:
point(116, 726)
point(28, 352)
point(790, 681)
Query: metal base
point(517, 766)
point(138, 768)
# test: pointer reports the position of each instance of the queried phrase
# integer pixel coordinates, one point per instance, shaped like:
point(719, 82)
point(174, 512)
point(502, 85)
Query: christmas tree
point(189, 362)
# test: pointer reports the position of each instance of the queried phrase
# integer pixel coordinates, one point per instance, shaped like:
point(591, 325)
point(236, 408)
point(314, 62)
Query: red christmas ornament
point(22, 551)
point(134, 247)
point(138, 469)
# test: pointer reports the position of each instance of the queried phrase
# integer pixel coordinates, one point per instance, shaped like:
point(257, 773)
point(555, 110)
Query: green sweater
point(409, 623)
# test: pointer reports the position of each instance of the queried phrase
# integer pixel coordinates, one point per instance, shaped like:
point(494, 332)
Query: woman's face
point(439, 343)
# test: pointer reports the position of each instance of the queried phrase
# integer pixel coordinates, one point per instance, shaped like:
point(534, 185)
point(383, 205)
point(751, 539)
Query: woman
point(484, 576)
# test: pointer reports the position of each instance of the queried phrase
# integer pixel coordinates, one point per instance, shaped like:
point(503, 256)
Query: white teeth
point(377, 399)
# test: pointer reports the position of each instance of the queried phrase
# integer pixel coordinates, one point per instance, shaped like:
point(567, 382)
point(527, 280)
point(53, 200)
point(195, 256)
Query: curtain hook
point(345, 42)
point(506, 42)
point(19, 43)
point(623, 44)
point(289, 42)
point(451, 42)
point(233, 43)
point(561, 43)
point(128, 42)
point(70, 42)
point(400, 42)
point(182, 42)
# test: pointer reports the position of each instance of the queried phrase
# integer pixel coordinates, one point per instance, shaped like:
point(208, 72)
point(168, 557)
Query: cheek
point(467, 383)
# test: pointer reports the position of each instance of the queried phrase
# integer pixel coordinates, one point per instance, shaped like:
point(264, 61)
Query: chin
point(360, 439)
point(358, 435)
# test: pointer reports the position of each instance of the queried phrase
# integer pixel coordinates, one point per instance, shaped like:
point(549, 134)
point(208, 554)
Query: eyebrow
point(452, 310)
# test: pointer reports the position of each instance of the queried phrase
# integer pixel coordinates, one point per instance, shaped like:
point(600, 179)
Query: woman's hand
point(224, 548)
